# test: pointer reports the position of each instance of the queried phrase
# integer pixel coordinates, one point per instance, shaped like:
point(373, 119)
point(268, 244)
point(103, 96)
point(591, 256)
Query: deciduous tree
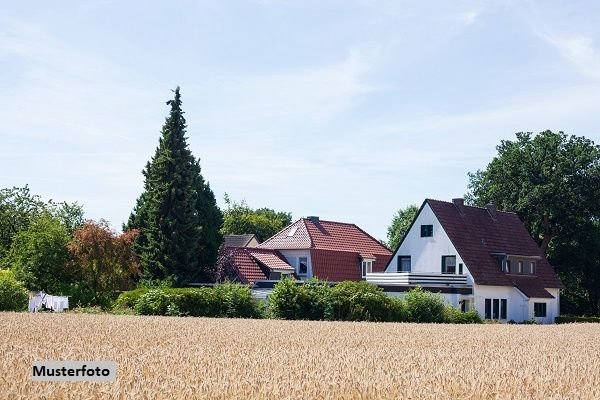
point(553, 182)
point(400, 224)
point(239, 219)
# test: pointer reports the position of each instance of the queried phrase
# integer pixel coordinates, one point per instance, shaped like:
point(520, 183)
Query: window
point(460, 268)
point(448, 264)
point(508, 266)
point(539, 309)
point(366, 267)
point(302, 265)
point(520, 268)
point(426, 230)
point(403, 263)
point(496, 313)
point(496, 308)
point(529, 267)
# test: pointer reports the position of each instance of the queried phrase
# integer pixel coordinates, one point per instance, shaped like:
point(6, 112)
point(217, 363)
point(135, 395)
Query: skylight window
point(292, 231)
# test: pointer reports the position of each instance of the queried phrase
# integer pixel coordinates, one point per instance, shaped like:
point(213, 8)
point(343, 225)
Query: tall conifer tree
point(177, 213)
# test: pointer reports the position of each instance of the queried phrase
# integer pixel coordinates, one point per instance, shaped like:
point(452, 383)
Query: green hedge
point(13, 295)
point(564, 319)
point(360, 301)
point(225, 300)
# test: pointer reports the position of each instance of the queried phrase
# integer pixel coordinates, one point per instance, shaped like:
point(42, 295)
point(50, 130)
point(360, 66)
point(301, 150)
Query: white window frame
point(366, 267)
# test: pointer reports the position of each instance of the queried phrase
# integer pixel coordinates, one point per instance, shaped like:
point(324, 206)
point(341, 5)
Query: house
point(479, 259)
point(327, 250)
point(248, 240)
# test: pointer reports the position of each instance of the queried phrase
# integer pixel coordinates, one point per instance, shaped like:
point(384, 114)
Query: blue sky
point(348, 110)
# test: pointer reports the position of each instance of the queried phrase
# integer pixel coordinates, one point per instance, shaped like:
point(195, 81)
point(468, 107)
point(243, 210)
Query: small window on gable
point(448, 264)
point(302, 265)
point(426, 230)
point(403, 263)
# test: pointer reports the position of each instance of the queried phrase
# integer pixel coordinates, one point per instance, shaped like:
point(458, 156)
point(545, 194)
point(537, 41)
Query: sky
point(348, 110)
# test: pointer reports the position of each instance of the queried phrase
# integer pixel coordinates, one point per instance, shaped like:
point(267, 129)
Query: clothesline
point(50, 302)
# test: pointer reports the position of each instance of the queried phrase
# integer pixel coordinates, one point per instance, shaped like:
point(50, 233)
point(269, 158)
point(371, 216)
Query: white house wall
point(426, 252)
point(293, 256)
point(519, 307)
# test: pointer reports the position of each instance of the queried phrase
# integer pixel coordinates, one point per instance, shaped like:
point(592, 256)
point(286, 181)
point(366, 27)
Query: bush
point(398, 311)
point(155, 302)
point(423, 306)
point(359, 301)
point(287, 300)
point(236, 301)
point(13, 296)
point(453, 315)
point(226, 300)
point(129, 298)
point(567, 319)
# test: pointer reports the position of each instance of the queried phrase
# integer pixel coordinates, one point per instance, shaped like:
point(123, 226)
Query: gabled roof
point(476, 234)
point(310, 233)
point(336, 248)
point(238, 240)
point(254, 264)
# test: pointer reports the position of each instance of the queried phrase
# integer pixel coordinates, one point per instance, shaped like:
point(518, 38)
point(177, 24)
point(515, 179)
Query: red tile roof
point(272, 259)
point(294, 236)
point(335, 247)
point(476, 235)
point(255, 264)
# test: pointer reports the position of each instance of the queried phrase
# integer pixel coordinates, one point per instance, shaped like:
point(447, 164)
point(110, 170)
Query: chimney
point(491, 209)
point(313, 218)
point(459, 204)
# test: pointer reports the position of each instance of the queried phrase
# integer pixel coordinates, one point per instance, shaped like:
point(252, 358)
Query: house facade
point(477, 258)
point(328, 250)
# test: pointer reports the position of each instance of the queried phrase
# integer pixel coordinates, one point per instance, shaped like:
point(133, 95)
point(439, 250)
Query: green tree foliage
point(239, 219)
point(400, 224)
point(177, 213)
point(13, 296)
point(103, 261)
point(39, 256)
point(553, 182)
point(18, 207)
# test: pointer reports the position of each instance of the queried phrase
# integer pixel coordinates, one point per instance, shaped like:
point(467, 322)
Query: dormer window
point(426, 230)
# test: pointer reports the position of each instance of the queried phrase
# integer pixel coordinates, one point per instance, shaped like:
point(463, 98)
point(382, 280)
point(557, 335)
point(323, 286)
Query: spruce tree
point(177, 213)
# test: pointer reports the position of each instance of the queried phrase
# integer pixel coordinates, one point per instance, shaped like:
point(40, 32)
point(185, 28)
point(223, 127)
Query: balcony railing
point(416, 278)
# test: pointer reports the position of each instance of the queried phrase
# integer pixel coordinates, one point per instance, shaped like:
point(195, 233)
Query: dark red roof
point(334, 266)
point(531, 286)
point(336, 248)
point(476, 235)
point(255, 264)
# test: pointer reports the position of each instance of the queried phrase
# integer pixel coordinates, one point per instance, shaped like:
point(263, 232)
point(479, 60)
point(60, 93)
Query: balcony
point(416, 278)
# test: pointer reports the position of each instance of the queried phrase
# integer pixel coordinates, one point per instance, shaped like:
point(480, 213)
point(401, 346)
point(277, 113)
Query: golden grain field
point(172, 358)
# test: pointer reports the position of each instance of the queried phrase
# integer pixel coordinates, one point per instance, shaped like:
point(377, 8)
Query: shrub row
point(225, 300)
point(359, 301)
point(13, 295)
point(564, 319)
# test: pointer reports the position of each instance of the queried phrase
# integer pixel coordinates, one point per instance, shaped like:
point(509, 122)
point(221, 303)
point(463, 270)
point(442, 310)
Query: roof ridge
point(312, 242)
point(470, 206)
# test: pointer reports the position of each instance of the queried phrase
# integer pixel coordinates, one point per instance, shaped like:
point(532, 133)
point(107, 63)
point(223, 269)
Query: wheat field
point(172, 358)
